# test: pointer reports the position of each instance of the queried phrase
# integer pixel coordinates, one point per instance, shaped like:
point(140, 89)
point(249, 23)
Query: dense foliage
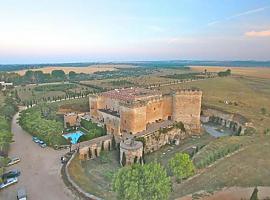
point(140, 182)
point(92, 130)
point(225, 73)
point(7, 110)
point(181, 166)
point(42, 124)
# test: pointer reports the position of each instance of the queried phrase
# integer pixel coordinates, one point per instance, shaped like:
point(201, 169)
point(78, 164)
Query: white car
point(8, 182)
point(13, 161)
point(21, 194)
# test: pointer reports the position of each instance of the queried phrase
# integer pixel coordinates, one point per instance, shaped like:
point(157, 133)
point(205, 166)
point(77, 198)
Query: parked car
point(11, 174)
point(8, 182)
point(35, 139)
point(13, 161)
point(43, 145)
point(21, 194)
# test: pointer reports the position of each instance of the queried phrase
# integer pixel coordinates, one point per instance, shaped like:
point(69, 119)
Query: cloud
point(265, 33)
point(249, 12)
point(213, 23)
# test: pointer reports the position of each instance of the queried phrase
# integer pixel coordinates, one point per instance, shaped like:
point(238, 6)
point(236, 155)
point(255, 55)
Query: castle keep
point(135, 110)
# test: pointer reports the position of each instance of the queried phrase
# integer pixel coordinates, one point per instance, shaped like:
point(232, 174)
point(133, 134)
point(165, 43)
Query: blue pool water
point(73, 136)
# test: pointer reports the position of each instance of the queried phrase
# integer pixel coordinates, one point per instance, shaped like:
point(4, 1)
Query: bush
point(181, 166)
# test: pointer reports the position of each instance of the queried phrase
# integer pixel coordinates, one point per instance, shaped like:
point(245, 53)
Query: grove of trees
point(40, 123)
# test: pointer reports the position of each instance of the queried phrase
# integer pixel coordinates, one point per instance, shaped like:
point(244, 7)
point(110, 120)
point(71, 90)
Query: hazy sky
point(36, 31)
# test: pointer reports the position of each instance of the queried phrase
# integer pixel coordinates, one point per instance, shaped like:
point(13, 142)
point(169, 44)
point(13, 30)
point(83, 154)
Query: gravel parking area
point(40, 169)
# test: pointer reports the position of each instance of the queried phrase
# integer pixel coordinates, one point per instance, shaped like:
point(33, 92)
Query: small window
point(154, 108)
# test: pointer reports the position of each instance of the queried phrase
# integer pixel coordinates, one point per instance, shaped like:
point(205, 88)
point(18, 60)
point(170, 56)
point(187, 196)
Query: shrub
point(181, 166)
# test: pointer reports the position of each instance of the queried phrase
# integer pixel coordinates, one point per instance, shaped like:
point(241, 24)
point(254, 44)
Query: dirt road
point(40, 169)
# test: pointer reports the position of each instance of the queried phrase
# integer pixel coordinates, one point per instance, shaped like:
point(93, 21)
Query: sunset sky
point(38, 31)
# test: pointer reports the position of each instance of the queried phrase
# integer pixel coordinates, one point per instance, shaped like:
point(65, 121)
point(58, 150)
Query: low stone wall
point(92, 148)
point(234, 122)
point(72, 185)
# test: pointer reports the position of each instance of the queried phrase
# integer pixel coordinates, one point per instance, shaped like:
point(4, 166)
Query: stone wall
point(187, 108)
point(132, 119)
point(154, 141)
point(234, 122)
point(112, 123)
point(92, 148)
point(154, 110)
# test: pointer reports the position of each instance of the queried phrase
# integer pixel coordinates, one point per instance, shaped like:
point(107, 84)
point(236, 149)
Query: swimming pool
point(73, 136)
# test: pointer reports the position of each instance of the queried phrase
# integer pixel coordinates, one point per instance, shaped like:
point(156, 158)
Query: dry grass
point(247, 168)
point(88, 70)
point(251, 94)
point(259, 72)
point(95, 176)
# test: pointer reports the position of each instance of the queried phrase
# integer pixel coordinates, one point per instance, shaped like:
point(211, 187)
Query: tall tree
point(140, 182)
point(254, 195)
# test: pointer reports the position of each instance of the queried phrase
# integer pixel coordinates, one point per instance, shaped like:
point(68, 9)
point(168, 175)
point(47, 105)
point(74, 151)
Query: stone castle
point(137, 113)
point(133, 110)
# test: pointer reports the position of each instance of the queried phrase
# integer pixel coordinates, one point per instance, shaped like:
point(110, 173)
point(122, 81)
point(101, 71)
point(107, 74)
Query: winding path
point(40, 169)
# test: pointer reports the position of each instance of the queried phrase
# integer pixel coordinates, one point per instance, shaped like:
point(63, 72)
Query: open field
point(247, 168)
point(250, 94)
point(88, 70)
point(38, 92)
point(259, 72)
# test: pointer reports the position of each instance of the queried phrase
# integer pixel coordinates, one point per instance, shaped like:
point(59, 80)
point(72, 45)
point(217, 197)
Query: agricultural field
point(258, 72)
point(140, 80)
point(49, 91)
point(88, 70)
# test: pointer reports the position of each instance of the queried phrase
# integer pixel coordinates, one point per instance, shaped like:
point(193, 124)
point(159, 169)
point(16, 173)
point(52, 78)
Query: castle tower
point(132, 118)
point(187, 108)
point(131, 152)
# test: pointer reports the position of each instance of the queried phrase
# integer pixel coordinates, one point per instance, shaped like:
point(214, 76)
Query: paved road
point(40, 169)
